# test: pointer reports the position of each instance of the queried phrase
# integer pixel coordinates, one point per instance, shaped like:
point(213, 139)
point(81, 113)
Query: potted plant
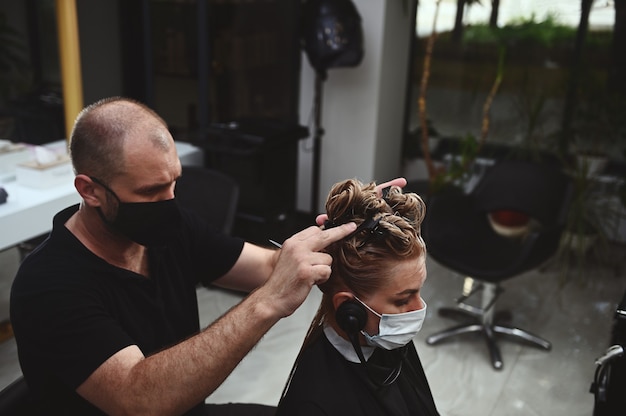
point(591, 216)
point(599, 127)
point(452, 175)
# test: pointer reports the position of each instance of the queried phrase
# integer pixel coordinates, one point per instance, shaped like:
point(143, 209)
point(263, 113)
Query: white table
point(28, 212)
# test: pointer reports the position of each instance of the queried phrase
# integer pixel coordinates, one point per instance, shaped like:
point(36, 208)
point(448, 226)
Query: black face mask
point(146, 223)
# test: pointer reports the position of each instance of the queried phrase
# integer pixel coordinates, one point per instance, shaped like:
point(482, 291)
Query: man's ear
point(88, 190)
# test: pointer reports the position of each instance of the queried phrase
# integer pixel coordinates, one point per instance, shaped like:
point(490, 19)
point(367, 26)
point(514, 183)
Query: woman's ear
point(87, 190)
point(341, 297)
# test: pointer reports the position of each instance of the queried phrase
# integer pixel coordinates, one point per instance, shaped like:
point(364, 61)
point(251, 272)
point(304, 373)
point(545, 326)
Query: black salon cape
point(325, 383)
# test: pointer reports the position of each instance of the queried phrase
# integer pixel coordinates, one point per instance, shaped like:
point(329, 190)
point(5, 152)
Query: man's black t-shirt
point(71, 310)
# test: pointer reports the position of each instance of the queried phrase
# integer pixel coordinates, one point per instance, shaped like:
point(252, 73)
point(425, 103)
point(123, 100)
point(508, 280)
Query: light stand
point(331, 37)
point(318, 132)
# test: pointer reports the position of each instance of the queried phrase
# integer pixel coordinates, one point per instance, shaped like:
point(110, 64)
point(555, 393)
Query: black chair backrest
point(212, 194)
point(539, 190)
point(16, 400)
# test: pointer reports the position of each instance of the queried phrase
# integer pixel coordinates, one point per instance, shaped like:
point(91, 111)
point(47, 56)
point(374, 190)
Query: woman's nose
point(419, 304)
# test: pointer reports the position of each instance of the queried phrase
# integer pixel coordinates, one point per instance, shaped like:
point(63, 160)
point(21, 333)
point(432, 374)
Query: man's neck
point(88, 227)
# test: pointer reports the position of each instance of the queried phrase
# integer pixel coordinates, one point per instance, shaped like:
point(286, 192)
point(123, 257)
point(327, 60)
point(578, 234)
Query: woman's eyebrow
point(408, 292)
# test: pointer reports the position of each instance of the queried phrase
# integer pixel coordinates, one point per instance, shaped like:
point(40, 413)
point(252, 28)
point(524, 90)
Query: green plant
point(600, 126)
point(545, 33)
point(457, 171)
point(592, 212)
point(537, 140)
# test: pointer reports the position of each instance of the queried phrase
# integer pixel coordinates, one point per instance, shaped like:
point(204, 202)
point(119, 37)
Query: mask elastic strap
point(99, 209)
point(367, 307)
point(99, 182)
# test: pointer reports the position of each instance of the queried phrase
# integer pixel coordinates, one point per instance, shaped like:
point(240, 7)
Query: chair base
point(490, 325)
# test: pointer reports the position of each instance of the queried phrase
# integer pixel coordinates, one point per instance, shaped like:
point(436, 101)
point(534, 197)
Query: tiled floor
point(576, 318)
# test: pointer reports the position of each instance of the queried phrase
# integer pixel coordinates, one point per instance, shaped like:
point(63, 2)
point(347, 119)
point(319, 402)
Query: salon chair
point(609, 381)
point(212, 194)
point(16, 400)
point(462, 233)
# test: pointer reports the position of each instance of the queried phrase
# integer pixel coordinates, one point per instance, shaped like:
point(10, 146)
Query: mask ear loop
point(102, 184)
point(109, 190)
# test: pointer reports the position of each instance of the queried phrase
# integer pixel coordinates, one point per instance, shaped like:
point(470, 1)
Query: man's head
point(105, 132)
point(126, 169)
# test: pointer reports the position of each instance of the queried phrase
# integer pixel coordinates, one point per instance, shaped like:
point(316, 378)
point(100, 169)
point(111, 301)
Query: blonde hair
point(392, 233)
point(388, 232)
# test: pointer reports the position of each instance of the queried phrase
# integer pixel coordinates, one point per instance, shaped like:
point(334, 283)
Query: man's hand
point(401, 182)
point(300, 265)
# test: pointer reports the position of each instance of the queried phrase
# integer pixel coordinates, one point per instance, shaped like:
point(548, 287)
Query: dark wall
point(99, 32)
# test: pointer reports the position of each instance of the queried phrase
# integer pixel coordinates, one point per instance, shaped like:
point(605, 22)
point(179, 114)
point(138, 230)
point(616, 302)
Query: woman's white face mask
point(397, 329)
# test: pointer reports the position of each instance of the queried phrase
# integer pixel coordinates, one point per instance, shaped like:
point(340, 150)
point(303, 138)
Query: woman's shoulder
point(324, 383)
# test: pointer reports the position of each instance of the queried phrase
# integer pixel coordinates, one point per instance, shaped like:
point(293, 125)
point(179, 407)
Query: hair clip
point(329, 224)
point(369, 224)
point(385, 193)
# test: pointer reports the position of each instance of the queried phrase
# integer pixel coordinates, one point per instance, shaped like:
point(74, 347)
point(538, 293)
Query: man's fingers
point(318, 239)
point(401, 182)
point(322, 273)
point(321, 219)
point(326, 237)
point(331, 235)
